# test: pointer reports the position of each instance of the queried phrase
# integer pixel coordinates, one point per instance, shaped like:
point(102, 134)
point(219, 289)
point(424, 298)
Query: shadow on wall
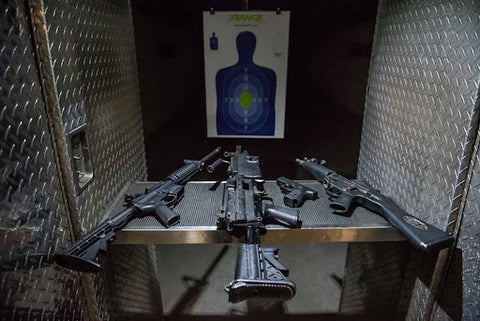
point(327, 74)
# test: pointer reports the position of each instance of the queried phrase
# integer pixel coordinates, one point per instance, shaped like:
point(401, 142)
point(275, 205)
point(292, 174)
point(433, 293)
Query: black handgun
point(295, 193)
point(245, 211)
point(157, 201)
point(346, 194)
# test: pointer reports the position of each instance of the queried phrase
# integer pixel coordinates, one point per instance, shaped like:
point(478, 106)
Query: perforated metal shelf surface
point(199, 208)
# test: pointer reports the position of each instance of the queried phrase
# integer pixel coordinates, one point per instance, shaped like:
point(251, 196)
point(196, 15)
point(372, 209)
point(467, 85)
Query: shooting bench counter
point(198, 211)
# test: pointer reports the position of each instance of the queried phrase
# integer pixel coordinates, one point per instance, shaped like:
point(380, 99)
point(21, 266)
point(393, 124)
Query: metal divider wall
point(33, 221)
point(74, 141)
point(419, 129)
point(462, 283)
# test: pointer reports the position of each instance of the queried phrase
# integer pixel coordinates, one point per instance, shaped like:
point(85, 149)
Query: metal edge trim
point(302, 181)
point(211, 235)
point(49, 89)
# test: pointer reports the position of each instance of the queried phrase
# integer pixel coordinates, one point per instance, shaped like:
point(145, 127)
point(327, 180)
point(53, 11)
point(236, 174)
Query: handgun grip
point(166, 216)
point(421, 235)
point(283, 215)
point(295, 193)
point(295, 198)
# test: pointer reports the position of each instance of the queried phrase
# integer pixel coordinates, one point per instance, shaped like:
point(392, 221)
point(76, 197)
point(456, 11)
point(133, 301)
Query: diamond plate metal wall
point(86, 55)
point(92, 55)
point(367, 274)
point(33, 220)
point(131, 291)
point(421, 112)
point(420, 117)
point(469, 242)
point(462, 285)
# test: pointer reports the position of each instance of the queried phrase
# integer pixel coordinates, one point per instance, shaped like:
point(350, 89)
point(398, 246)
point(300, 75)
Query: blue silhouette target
point(246, 94)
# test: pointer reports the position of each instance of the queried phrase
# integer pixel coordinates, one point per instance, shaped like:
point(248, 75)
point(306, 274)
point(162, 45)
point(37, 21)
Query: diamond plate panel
point(469, 247)
point(469, 242)
point(132, 290)
point(420, 117)
point(93, 57)
point(420, 112)
point(367, 273)
point(33, 221)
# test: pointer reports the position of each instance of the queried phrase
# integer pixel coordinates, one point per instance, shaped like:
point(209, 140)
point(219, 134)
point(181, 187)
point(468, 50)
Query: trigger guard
point(332, 194)
point(333, 191)
point(338, 208)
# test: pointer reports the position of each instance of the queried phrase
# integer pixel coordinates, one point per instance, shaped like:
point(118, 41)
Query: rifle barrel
point(211, 154)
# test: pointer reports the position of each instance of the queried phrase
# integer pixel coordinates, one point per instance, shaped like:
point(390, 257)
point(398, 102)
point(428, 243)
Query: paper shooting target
point(245, 94)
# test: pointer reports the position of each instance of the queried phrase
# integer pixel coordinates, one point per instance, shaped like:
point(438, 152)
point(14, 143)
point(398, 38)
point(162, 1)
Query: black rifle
point(245, 211)
point(295, 193)
point(346, 194)
point(157, 201)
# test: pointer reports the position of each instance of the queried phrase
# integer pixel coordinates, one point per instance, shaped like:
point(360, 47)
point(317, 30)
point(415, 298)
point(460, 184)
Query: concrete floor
point(311, 268)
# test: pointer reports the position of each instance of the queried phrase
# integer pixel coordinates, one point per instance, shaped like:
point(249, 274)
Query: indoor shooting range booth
point(103, 98)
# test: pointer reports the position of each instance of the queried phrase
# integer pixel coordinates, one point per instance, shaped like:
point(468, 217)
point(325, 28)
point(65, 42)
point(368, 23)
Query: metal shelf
point(200, 205)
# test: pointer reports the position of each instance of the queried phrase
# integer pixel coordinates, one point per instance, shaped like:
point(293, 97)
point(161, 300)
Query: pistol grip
point(341, 204)
point(311, 194)
point(166, 216)
point(294, 198)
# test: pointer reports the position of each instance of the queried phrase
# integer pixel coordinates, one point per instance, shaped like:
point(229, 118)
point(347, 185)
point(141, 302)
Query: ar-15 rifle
point(346, 194)
point(245, 211)
point(157, 201)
